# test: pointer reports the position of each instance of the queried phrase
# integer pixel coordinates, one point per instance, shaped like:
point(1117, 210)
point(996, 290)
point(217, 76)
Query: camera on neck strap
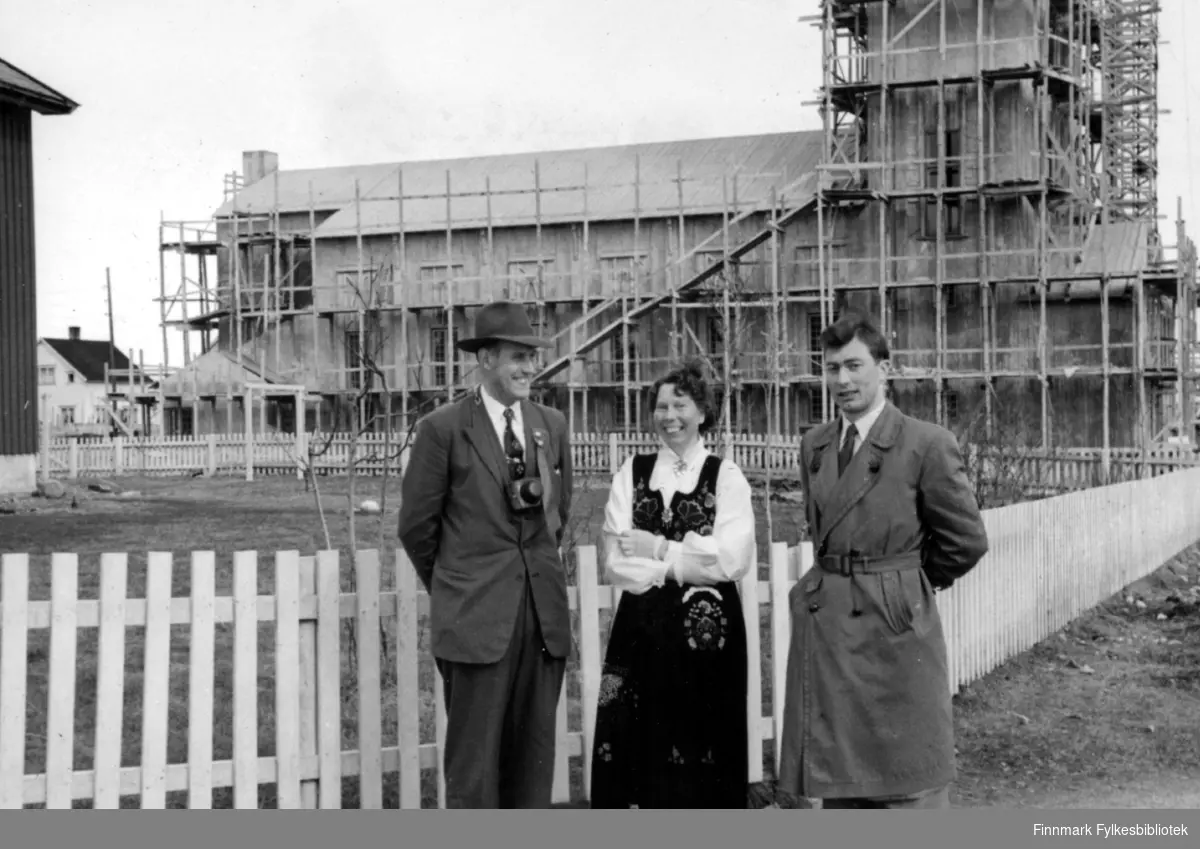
point(525, 494)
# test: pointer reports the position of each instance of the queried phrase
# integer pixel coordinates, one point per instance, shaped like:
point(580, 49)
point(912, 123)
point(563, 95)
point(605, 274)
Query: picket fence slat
point(156, 679)
point(329, 685)
point(587, 577)
point(439, 729)
point(201, 655)
point(60, 710)
point(754, 702)
point(14, 647)
point(287, 678)
point(245, 676)
point(1049, 562)
point(408, 687)
point(561, 789)
point(370, 724)
point(110, 681)
point(309, 725)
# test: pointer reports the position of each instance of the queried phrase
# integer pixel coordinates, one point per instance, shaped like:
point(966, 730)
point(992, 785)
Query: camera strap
point(550, 496)
point(553, 521)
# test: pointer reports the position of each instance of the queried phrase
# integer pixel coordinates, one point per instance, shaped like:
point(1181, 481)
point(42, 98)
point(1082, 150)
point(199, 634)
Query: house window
point(616, 354)
point(444, 354)
point(816, 405)
point(354, 359)
point(66, 415)
point(950, 401)
point(807, 274)
point(619, 411)
point(46, 375)
point(618, 273)
point(70, 377)
point(523, 283)
point(951, 204)
point(815, 326)
point(437, 272)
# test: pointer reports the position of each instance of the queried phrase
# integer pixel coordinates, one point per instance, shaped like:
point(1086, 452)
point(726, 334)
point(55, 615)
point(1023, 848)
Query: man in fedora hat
point(485, 497)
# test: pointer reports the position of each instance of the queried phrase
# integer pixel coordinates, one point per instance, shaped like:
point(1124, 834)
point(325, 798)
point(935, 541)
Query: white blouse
point(728, 553)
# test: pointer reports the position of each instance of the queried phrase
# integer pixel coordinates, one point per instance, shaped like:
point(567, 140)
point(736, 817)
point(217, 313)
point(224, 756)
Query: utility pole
point(111, 343)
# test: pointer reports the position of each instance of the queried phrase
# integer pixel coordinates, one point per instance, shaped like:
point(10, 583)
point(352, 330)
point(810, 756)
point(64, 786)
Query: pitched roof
point(89, 357)
point(759, 163)
point(18, 87)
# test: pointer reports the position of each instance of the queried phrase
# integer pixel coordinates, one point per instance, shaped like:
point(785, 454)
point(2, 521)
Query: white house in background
point(73, 394)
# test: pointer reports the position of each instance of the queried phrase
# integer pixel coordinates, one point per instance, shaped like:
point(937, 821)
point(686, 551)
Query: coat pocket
point(905, 600)
point(803, 595)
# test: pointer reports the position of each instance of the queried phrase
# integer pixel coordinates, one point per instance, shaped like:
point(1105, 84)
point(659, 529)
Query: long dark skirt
point(671, 723)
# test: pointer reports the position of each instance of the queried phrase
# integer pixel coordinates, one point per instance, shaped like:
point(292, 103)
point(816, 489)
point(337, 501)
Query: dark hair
point(851, 326)
point(688, 379)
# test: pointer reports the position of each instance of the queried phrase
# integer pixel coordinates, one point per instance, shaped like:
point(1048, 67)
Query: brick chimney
point(257, 164)
point(73, 332)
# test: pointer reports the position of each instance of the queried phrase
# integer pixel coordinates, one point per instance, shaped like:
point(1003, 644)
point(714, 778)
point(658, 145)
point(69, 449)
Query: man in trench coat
point(868, 720)
point(500, 622)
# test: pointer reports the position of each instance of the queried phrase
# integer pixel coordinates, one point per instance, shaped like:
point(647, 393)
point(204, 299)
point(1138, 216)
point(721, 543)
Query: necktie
point(847, 452)
point(512, 448)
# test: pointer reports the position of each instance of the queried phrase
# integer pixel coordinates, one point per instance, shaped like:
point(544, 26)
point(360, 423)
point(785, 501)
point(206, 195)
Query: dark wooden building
point(20, 96)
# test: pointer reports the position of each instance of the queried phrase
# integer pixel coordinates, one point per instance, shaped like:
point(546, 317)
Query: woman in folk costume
point(679, 534)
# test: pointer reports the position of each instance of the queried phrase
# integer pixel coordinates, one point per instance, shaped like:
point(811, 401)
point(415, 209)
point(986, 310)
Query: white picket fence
point(1050, 561)
point(759, 456)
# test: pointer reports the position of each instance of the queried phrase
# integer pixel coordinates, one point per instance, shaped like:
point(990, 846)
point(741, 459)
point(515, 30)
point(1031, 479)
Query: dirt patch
point(1101, 714)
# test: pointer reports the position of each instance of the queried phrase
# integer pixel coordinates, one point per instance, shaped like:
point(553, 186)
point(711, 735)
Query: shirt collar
point(863, 425)
point(495, 408)
point(690, 456)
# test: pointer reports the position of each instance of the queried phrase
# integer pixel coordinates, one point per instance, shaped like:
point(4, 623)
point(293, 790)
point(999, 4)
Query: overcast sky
point(171, 93)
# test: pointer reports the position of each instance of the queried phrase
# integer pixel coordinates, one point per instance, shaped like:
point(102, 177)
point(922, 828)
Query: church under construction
point(984, 186)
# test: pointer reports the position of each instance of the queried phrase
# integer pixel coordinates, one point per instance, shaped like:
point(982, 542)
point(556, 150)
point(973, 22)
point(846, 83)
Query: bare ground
point(1102, 714)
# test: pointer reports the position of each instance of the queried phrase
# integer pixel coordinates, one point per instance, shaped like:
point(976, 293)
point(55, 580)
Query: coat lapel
point(823, 466)
point(531, 463)
point(482, 436)
point(861, 474)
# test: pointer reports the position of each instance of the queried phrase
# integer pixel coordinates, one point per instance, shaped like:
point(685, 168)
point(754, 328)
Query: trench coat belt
point(850, 564)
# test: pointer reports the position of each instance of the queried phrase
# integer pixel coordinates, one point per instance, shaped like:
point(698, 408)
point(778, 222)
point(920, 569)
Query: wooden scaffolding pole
point(274, 281)
point(183, 293)
point(451, 335)
point(774, 331)
point(360, 354)
point(939, 249)
point(586, 260)
point(162, 292)
point(401, 284)
point(680, 273)
point(725, 318)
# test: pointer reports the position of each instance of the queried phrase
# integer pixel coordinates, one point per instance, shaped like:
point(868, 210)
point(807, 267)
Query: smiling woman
point(679, 533)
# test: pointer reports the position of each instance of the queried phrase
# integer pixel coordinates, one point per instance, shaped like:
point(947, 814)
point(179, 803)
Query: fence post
point(248, 433)
point(210, 464)
point(614, 458)
point(118, 446)
point(1105, 465)
point(73, 458)
point(45, 438)
point(308, 677)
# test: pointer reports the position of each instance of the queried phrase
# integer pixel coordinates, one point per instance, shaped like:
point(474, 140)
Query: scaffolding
point(1061, 110)
point(1076, 82)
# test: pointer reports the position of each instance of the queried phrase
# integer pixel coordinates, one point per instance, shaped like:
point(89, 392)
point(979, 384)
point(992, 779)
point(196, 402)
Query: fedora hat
point(502, 321)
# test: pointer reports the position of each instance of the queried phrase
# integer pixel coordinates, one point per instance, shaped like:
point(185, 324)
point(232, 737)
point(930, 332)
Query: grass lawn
point(1032, 728)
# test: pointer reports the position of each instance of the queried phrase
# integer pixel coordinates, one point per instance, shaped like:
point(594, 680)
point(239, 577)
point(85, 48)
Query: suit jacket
point(867, 710)
point(472, 553)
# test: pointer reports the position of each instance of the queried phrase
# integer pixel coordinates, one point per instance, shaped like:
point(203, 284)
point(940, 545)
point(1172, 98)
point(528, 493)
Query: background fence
point(777, 457)
point(304, 709)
